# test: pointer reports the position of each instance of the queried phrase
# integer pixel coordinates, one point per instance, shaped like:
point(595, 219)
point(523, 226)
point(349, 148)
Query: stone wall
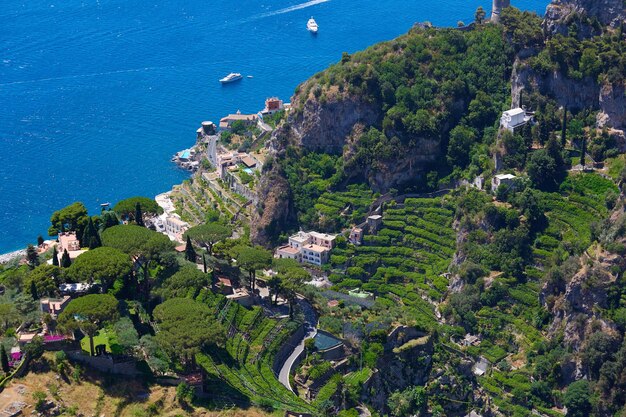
point(287, 348)
point(105, 363)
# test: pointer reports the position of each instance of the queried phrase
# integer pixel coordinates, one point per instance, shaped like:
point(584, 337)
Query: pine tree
point(190, 253)
point(139, 215)
point(33, 290)
point(583, 151)
point(65, 259)
point(55, 256)
point(564, 129)
point(32, 256)
point(4, 359)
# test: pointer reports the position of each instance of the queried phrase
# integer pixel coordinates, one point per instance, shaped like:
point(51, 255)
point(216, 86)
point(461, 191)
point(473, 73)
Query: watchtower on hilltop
point(496, 9)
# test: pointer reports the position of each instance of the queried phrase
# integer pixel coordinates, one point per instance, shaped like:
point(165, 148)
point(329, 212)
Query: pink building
point(69, 242)
point(54, 306)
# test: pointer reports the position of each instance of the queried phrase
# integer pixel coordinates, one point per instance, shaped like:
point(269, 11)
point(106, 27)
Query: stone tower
point(497, 7)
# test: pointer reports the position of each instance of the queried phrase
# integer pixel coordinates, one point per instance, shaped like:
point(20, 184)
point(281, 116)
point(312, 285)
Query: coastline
point(9, 256)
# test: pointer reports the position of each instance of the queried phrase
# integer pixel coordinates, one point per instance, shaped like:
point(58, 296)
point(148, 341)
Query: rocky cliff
point(561, 12)
point(332, 125)
point(406, 362)
point(588, 17)
point(583, 291)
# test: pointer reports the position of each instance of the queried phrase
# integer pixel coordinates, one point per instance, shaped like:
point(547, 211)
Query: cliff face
point(402, 365)
point(327, 126)
point(609, 99)
point(332, 125)
point(559, 12)
point(572, 94)
point(276, 211)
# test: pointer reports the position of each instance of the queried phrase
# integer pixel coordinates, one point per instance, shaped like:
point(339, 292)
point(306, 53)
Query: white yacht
point(311, 25)
point(232, 77)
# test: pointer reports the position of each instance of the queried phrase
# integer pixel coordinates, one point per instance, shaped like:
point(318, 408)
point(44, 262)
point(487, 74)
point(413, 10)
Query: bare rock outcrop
point(560, 12)
point(326, 125)
point(577, 310)
point(576, 94)
point(405, 362)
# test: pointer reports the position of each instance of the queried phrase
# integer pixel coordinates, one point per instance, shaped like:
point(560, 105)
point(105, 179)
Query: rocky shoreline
point(8, 257)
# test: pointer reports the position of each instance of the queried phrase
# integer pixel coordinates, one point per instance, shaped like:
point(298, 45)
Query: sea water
point(97, 95)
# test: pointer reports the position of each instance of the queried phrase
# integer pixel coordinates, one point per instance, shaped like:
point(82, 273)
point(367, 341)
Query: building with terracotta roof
point(288, 252)
point(310, 247)
point(54, 306)
point(248, 120)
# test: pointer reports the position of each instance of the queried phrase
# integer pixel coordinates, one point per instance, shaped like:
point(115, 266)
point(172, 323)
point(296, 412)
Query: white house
point(175, 227)
point(310, 247)
point(502, 179)
point(513, 118)
point(323, 239)
point(299, 239)
point(315, 254)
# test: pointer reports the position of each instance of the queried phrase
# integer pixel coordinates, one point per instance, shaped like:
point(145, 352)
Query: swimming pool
point(247, 171)
point(324, 341)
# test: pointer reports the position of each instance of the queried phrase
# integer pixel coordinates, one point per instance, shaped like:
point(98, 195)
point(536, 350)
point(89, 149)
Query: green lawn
point(104, 337)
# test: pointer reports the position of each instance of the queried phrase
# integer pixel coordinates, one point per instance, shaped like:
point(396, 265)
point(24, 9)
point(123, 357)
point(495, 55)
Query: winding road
point(310, 323)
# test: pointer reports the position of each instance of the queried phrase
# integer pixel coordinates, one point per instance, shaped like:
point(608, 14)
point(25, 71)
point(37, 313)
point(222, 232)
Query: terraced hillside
point(406, 259)
point(341, 208)
point(245, 363)
point(584, 199)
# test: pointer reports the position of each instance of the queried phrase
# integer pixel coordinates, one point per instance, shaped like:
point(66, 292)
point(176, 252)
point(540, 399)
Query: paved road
point(310, 318)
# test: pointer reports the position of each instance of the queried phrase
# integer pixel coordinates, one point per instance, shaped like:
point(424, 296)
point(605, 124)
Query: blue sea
point(97, 95)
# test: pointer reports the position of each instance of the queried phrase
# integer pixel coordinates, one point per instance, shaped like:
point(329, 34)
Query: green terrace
point(406, 259)
point(357, 199)
point(245, 363)
point(583, 200)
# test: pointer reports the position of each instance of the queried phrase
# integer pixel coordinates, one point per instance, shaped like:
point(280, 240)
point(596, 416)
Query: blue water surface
point(97, 95)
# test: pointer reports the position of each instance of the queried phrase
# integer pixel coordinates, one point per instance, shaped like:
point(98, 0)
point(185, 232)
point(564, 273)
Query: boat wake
point(287, 9)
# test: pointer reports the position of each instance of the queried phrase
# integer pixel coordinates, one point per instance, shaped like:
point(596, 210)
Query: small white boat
point(232, 77)
point(250, 76)
point(311, 25)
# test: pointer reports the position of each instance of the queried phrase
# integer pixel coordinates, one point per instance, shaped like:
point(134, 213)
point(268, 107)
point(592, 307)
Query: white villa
point(502, 179)
point(309, 247)
point(514, 118)
point(175, 227)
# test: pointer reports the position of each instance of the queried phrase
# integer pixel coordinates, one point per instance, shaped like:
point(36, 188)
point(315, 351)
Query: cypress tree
point(39, 240)
point(204, 262)
point(65, 259)
point(90, 236)
point(32, 256)
point(109, 219)
point(33, 291)
point(4, 359)
point(564, 128)
point(55, 256)
point(583, 151)
point(190, 253)
point(138, 215)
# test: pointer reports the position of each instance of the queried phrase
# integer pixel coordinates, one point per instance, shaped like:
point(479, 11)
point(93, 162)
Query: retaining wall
point(287, 348)
point(105, 363)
